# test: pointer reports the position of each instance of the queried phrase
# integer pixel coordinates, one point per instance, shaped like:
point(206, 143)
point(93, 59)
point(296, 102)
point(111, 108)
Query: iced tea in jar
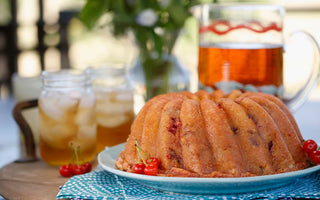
point(67, 119)
point(114, 104)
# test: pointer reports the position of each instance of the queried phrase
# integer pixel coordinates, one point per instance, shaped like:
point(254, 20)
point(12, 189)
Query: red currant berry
point(309, 146)
point(70, 166)
point(66, 170)
point(154, 161)
point(138, 168)
point(79, 169)
point(151, 170)
point(315, 157)
point(87, 166)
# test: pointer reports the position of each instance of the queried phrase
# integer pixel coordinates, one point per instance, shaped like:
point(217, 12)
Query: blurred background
point(38, 35)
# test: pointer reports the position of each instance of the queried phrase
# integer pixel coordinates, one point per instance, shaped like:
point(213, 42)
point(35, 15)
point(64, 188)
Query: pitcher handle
point(302, 95)
point(30, 146)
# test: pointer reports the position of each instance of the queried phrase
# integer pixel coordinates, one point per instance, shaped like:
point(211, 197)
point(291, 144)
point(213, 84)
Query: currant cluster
point(311, 148)
point(150, 166)
point(74, 167)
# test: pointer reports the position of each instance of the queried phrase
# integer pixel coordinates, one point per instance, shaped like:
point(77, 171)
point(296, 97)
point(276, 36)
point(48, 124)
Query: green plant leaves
point(155, 24)
point(92, 11)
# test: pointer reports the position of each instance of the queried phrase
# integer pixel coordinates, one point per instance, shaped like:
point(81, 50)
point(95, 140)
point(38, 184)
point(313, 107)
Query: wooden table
point(34, 179)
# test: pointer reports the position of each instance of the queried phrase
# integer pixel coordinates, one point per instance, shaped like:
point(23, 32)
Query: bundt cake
point(216, 135)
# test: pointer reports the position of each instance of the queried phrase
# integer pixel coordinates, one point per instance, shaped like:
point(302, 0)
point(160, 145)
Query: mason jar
point(67, 119)
point(114, 104)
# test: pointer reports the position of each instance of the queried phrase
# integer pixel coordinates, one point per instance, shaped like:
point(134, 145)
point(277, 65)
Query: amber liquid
point(59, 135)
point(54, 156)
point(114, 115)
point(111, 136)
point(256, 64)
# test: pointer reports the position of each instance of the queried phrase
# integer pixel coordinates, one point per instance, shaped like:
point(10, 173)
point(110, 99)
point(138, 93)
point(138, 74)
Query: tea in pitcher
point(241, 46)
point(245, 63)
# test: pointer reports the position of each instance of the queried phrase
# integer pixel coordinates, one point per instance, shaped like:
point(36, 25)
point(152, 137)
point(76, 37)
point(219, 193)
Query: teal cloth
point(102, 185)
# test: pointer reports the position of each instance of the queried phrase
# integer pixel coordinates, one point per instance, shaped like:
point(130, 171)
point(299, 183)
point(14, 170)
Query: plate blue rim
point(107, 158)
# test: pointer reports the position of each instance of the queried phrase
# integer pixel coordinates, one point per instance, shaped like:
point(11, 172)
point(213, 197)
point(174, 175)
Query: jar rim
point(240, 6)
point(64, 78)
point(64, 74)
point(105, 71)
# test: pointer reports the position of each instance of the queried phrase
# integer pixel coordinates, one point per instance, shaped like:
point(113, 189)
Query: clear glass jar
point(114, 104)
point(67, 120)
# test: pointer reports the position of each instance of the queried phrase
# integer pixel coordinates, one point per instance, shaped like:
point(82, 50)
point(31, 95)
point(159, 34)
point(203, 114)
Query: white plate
point(107, 159)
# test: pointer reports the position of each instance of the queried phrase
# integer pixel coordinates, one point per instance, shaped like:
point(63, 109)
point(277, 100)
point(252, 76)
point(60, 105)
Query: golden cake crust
point(216, 135)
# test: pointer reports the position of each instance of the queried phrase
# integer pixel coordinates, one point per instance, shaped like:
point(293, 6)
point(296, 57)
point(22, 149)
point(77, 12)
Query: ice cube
point(270, 89)
point(87, 131)
point(102, 95)
point(85, 115)
point(112, 120)
point(124, 96)
point(87, 101)
point(75, 94)
point(110, 107)
point(67, 103)
point(250, 87)
point(228, 86)
point(86, 138)
point(55, 106)
point(59, 135)
point(48, 106)
point(280, 92)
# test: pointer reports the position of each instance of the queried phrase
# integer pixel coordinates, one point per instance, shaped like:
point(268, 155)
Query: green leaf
point(92, 11)
point(178, 13)
point(142, 38)
point(158, 43)
point(121, 24)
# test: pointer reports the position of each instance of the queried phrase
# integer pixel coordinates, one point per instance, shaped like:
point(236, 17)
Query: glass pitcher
point(241, 46)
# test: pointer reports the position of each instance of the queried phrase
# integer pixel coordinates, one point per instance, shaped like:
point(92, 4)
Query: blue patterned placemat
point(102, 185)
